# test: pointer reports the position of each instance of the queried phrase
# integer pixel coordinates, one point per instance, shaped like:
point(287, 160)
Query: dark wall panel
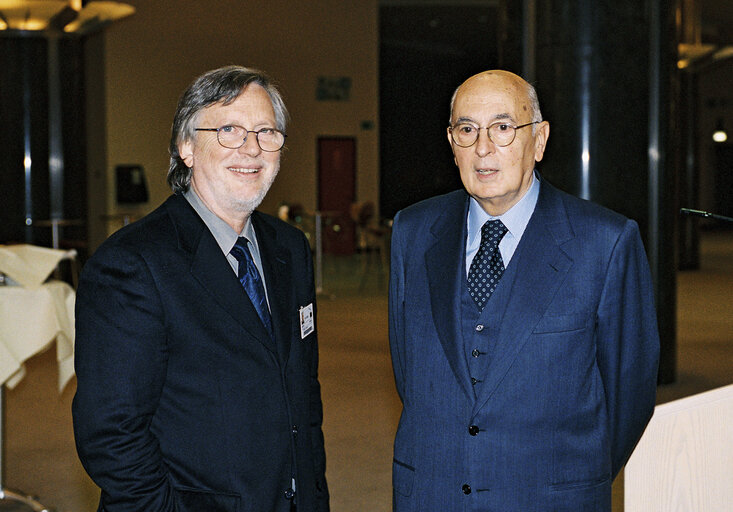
point(425, 53)
point(25, 134)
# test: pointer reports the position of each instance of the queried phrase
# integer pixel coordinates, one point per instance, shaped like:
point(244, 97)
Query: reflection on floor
point(361, 406)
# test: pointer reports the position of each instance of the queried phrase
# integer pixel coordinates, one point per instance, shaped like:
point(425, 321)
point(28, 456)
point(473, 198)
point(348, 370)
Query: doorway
point(337, 192)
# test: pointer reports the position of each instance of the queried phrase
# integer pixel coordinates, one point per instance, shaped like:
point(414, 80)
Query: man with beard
point(196, 349)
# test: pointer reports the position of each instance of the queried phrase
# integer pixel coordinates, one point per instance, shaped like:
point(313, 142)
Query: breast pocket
point(549, 324)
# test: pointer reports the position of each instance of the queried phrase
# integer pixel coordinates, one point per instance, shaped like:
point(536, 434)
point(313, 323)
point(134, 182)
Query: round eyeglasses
point(233, 136)
point(500, 133)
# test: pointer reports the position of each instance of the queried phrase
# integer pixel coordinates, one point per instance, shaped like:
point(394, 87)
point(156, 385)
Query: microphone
point(700, 213)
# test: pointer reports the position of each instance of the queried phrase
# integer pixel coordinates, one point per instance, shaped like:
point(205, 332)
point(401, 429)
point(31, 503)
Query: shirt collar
point(515, 219)
point(224, 235)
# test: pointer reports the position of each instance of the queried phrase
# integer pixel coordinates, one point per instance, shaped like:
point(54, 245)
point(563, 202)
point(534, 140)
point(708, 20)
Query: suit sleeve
point(316, 404)
point(396, 307)
point(628, 344)
point(120, 360)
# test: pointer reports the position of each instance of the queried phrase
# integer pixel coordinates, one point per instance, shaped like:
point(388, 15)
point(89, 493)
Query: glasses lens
point(501, 134)
point(270, 139)
point(464, 134)
point(231, 136)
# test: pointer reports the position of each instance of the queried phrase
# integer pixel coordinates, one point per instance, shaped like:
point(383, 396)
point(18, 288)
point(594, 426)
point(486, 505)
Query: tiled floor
point(360, 405)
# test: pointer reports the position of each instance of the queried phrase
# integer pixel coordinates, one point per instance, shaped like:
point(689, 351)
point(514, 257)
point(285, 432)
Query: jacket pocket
point(583, 495)
point(561, 323)
point(602, 481)
point(197, 500)
point(403, 477)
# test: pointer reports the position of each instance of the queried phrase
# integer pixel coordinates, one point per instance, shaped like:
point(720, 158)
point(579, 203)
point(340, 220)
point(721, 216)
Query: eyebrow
point(264, 124)
point(498, 117)
point(465, 119)
point(503, 116)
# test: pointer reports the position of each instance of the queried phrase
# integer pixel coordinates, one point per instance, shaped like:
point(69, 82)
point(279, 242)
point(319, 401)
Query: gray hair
point(219, 85)
point(534, 104)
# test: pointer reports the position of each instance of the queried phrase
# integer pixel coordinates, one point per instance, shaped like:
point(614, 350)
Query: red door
point(336, 192)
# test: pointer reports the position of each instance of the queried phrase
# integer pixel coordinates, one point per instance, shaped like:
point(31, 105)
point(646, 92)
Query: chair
point(371, 239)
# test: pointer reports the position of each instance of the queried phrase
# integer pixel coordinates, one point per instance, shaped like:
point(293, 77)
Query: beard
point(248, 205)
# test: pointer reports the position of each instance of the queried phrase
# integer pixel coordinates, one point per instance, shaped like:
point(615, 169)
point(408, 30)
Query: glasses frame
point(488, 133)
point(244, 140)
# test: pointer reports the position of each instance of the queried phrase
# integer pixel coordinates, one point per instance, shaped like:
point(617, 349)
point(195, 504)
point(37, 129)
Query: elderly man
point(522, 327)
point(196, 350)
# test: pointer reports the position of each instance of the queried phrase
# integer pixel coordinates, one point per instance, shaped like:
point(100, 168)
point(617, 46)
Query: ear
point(450, 142)
point(185, 150)
point(540, 140)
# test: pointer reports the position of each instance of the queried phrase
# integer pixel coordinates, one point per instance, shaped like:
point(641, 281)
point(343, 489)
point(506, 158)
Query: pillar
point(605, 72)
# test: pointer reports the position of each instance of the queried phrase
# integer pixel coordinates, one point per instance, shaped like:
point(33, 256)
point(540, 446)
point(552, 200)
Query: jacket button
point(466, 489)
point(475, 352)
point(473, 430)
point(295, 430)
point(479, 328)
point(289, 494)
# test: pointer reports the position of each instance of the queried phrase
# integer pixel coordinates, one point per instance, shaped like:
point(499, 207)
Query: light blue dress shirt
point(515, 219)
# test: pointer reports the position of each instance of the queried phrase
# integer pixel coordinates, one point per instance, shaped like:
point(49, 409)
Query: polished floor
point(360, 405)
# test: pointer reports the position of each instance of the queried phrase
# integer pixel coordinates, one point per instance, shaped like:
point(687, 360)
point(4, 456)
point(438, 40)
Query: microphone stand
point(700, 213)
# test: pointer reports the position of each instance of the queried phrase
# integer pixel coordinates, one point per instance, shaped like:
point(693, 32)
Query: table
point(33, 314)
point(30, 321)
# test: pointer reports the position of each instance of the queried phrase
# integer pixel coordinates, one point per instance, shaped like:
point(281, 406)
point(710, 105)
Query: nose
point(250, 146)
point(484, 144)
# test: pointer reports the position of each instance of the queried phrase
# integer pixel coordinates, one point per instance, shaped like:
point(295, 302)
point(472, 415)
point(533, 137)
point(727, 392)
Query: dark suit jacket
point(183, 401)
point(571, 379)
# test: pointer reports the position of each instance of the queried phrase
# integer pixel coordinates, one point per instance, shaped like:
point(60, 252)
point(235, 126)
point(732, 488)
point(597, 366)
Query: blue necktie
point(251, 281)
point(487, 266)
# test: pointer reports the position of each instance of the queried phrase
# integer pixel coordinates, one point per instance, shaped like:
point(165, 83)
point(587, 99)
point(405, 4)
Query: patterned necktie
point(487, 266)
point(251, 281)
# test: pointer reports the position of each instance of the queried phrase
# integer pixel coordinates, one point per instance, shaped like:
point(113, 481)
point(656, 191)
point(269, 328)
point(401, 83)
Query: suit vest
point(481, 328)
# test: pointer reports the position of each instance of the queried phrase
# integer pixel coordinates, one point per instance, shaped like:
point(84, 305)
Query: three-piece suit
point(535, 402)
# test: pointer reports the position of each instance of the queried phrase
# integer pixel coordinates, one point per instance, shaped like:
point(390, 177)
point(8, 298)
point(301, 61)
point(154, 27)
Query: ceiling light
point(56, 15)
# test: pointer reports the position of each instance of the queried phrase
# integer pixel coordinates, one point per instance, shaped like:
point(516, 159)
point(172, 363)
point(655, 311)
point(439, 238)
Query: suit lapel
point(444, 261)
point(277, 265)
point(211, 269)
point(541, 266)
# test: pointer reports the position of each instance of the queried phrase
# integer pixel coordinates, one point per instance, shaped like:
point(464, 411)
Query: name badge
point(307, 322)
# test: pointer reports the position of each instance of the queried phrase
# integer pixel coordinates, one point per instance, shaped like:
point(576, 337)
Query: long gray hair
point(219, 85)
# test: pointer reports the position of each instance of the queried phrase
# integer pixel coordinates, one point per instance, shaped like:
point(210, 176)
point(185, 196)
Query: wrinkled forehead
point(252, 102)
point(492, 96)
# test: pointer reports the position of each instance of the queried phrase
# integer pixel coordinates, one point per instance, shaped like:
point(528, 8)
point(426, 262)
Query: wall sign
point(333, 88)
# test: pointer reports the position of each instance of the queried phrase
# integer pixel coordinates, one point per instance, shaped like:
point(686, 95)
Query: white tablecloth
point(34, 312)
point(30, 265)
point(30, 320)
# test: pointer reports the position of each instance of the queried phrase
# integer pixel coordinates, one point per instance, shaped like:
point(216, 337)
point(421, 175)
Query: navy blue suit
point(570, 372)
point(184, 402)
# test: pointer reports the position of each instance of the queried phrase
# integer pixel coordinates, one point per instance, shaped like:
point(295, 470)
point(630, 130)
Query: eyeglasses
point(500, 133)
point(232, 136)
